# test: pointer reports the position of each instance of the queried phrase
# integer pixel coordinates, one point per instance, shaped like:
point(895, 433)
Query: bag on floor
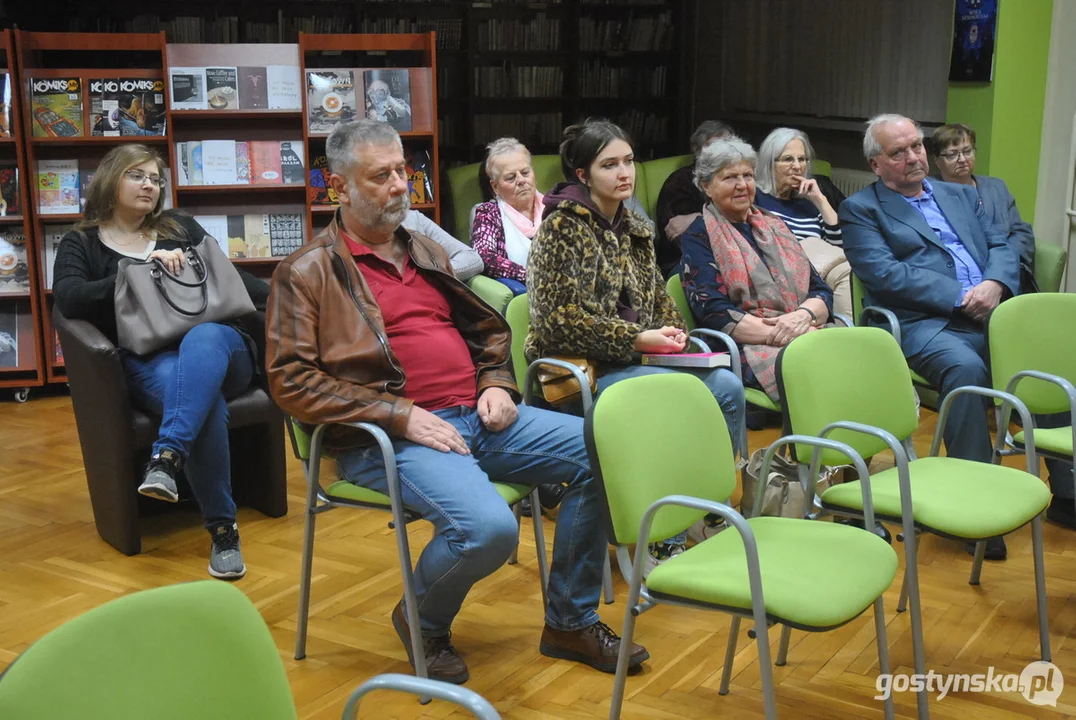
point(783, 496)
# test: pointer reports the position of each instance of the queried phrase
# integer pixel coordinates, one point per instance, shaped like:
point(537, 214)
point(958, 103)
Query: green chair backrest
point(856, 374)
point(300, 440)
point(654, 175)
point(676, 291)
point(653, 436)
point(463, 194)
point(518, 316)
point(1034, 332)
point(821, 167)
point(1049, 265)
point(547, 172)
point(858, 291)
point(193, 650)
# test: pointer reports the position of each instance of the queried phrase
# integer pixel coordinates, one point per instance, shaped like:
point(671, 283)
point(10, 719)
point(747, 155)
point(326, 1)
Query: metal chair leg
point(307, 566)
point(539, 546)
point(635, 583)
point(883, 651)
point(607, 579)
point(1040, 588)
point(902, 601)
point(730, 655)
point(782, 648)
point(911, 552)
point(977, 563)
point(765, 666)
point(518, 512)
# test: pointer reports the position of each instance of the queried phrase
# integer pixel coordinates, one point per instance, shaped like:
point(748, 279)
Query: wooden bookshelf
point(415, 52)
point(634, 40)
point(240, 125)
point(28, 371)
point(88, 57)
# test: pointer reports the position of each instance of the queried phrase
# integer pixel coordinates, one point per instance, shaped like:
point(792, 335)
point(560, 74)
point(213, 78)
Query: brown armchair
point(116, 437)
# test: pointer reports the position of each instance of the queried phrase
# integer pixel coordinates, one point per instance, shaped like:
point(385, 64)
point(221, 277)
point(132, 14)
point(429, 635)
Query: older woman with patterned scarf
point(743, 271)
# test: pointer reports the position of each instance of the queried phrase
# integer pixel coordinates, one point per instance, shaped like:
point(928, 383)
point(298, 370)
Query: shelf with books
point(236, 114)
point(241, 188)
point(22, 364)
point(112, 93)
point(392, 77)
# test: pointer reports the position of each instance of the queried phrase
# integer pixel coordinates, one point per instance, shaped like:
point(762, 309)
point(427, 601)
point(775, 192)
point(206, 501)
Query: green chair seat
point(1054, 440)
point(993, 499)
point(802, 585)
point(758, 398)
point(919, 379)
point(344, 490)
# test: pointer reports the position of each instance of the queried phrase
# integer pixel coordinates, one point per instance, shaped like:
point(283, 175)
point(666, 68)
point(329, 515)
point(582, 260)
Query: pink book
point(688, 360)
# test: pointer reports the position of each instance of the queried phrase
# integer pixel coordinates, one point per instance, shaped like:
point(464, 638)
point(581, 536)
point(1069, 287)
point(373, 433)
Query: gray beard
point(370, 214)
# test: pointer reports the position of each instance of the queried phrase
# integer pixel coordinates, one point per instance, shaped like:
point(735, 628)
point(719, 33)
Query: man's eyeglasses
point(138, 177)
point(952, 155)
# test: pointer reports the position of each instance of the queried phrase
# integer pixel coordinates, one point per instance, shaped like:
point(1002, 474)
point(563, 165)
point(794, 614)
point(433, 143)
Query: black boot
point(1062, 511)
point(879, 529)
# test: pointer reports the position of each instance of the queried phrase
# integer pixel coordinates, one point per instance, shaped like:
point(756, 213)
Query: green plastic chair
point(927, 392)
point(308, 449)
point(854, 386)
point(194, 650)
point(518, 315)
point(799, 573)
point(754, 396)
point(1033, 360)
point(652, 174)
point(495, 294)
point(1050, 260)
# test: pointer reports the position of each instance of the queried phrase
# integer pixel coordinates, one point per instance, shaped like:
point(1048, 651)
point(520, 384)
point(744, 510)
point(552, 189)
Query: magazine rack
point(85, 56)
point(417, 53)
point(21, 367)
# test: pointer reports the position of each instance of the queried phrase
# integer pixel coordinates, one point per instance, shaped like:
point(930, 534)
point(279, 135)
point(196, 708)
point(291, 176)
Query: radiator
point(849, 181)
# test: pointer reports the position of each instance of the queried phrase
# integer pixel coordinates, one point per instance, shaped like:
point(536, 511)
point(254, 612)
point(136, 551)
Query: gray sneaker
point(160, 478)
point(225, 560)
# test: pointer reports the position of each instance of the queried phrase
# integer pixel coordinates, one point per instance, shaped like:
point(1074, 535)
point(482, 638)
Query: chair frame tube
point(423, 687)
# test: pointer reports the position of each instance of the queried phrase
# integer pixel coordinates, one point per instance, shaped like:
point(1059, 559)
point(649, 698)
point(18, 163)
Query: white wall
point(1055, 164)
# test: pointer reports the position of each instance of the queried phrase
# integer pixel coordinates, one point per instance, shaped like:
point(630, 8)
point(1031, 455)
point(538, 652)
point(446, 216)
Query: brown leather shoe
point(596, 645)
point(442, 660)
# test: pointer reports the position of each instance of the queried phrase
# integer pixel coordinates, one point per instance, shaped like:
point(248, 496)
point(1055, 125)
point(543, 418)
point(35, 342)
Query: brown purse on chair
point(560, 386)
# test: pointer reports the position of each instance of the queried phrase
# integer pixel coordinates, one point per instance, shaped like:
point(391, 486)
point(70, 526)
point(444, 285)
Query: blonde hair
point(104, 189)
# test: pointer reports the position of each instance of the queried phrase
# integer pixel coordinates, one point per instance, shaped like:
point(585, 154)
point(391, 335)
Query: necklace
point(112, 239)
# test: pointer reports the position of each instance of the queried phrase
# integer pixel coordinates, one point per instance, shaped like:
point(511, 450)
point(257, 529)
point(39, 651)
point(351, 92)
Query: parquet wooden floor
point(53, 566)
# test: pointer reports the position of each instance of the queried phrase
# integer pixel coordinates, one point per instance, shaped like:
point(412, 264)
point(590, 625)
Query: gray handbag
point(155, 308)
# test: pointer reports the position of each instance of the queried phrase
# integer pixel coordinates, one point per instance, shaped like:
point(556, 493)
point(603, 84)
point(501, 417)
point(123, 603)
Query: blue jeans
point(475, 530)
point(188, 388)
point(726, 388)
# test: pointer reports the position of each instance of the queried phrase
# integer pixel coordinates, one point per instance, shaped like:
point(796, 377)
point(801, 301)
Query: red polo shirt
point(418, 320)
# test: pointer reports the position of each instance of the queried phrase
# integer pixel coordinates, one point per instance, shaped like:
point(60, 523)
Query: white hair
point(771, 148)
point(720, 154)
point(345, 137)
point(871, 147)
point(502, 146)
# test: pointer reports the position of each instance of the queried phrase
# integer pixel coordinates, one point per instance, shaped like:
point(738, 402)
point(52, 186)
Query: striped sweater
point(801, 216)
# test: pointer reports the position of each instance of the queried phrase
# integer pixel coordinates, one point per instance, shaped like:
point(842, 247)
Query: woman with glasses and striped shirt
point(786, 189)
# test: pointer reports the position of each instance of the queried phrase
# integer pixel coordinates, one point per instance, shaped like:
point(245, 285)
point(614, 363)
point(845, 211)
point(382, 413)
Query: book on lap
point(688, 360)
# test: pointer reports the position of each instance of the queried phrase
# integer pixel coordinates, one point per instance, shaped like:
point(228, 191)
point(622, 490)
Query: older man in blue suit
point(927, 251)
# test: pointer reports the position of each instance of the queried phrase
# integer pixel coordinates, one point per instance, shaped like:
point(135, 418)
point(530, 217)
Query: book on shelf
point(126, 106)
point(10, 200)
point(330, 99)
point(230, 162)
point(85, 177)
point(222, 88)
point(319, 191)
point(188, 88)
point(253, 88)
point(58, 187)
point(5, 104)
point(255, 235)
point(57, 349)
point(56, 107)
point(419, 176)
point(54, 234)
point(388, 97)
point(688, 360)
point(14, 272)
point(9, 337)
point(284, 87)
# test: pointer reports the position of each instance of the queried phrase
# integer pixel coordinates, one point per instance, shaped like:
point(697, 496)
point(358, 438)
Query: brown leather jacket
point(328, 357)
